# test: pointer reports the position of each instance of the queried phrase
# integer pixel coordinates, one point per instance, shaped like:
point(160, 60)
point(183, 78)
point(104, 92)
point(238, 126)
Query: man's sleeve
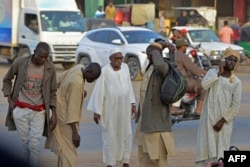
point(9, 76)
point(74, 101)
point(235, 104)
point(53, 88)
point(97, 98)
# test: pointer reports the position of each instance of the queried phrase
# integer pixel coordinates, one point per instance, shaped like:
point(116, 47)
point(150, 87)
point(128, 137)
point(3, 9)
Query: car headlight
point(241, 52)
point(214, 53)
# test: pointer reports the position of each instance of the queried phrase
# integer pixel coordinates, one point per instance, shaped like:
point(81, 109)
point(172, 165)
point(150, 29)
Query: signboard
point(5, 21)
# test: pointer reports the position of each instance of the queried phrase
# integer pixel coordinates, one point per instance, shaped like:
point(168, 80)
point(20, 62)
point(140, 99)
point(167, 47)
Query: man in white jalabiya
point(113, 104)
point(222, 103)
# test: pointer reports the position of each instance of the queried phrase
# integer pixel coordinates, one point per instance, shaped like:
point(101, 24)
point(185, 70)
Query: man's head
point(99, 8)
point(91, 72)
point(225, 23)
point(153, 46)
point(116, 58)
point(41, 54)
point(232, 58)
point(110, 3)
point(184, 13)
point(181, 45)
point(164, 14)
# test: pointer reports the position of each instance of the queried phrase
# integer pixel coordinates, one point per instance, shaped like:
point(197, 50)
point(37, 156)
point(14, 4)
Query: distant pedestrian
point(222, 103)
point(99, 12)
point(70, 95)
point(226, 33)
point(236, 27)
point(110, 11)
point(31, 98)
point(163, 27)
point(182, 20)
point(113, 104)
point(175, 35)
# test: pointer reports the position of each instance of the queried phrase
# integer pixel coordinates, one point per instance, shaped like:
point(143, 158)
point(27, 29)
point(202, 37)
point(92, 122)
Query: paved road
point(90, 151)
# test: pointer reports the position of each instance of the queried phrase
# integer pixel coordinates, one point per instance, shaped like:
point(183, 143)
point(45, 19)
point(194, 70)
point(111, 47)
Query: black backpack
point(174, 85)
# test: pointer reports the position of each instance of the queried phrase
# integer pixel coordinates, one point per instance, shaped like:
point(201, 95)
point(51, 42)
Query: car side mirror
point(117, 42)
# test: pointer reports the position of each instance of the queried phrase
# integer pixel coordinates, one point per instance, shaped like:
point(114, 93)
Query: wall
point(240, 9)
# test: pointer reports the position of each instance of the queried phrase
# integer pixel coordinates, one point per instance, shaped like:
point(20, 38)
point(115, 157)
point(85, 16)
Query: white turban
point(115, 50)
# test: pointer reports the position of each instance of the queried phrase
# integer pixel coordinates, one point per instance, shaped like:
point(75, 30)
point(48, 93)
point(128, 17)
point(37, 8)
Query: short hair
point(43, 46)
point(94, 68)
point(225, 22)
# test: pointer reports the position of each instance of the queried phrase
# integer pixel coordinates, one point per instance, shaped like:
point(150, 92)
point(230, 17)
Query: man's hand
point(133, 111)
point(85, 93)
point(53, 119)
point(168, 45)
point(97, 118)
point(11, 103)
point(218, 126)
point(221, 68)
point(76, 139)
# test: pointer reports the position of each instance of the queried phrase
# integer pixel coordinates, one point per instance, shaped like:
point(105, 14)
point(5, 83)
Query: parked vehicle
point(95, 46)
point(210, 43)
point(23, 23)
point(94, 23)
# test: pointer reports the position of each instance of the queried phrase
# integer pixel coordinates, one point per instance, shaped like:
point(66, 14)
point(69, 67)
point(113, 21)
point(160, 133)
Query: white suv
point(96, 44)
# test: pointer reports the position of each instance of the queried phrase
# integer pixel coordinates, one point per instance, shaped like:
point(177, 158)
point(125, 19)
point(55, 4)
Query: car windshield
point(203, 36)
point(140, 36)
point(62, 21)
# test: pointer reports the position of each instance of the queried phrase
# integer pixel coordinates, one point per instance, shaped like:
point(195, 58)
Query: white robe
point(222, 100)
point(111, 98)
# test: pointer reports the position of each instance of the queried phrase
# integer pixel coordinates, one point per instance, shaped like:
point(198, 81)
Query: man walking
point(70, 95)
point(113, 103)
point(31, 98)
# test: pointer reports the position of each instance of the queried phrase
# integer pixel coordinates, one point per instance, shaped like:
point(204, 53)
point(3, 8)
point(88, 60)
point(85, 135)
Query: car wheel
point(67, 65)
point(134, 69)
point(84, 61)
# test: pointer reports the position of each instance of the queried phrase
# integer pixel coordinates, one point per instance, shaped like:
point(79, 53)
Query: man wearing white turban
point(113, 104)
point(222, 103)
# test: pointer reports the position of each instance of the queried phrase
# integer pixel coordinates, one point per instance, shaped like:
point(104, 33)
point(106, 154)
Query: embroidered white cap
point(115, 50)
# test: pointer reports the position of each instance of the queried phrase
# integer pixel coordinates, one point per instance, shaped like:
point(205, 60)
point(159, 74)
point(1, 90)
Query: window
point(62, 21)
point(113, 35)
point(100, 36)
point(31, 22)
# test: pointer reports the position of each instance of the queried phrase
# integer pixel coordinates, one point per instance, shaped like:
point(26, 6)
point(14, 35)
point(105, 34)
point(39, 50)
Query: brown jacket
point(18, 72)
point(190, 71)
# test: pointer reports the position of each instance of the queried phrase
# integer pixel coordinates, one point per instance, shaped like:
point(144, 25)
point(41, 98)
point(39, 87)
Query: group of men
point(42, 103)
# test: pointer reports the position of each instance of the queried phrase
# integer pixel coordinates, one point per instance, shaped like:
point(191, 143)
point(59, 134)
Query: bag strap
point(170, 60)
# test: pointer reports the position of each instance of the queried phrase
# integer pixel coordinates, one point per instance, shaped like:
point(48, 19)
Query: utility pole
point(215, 4)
